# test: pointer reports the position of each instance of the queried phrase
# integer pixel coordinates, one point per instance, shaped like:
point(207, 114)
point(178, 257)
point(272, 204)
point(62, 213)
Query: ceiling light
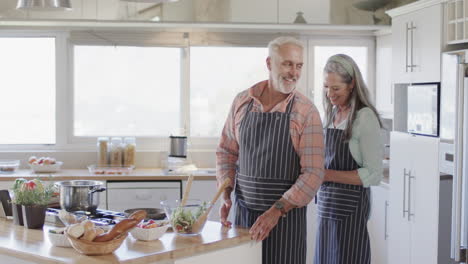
point(44, 5)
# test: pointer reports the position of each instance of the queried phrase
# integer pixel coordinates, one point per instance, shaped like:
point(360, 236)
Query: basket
point(96, 248)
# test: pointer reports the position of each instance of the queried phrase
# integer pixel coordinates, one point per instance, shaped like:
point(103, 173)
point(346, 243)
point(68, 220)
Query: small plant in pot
point(33, 196)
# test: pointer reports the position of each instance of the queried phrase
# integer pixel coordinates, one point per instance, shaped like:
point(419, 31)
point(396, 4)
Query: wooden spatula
point(187, 190)
point(202, 219)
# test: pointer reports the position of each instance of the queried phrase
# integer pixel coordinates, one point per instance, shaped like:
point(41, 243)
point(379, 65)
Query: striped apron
point(343, 210)
point(267, 167)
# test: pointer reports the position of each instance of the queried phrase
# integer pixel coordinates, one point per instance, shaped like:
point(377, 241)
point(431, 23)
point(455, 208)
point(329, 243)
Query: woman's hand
point(226, 207)
point(264, 224)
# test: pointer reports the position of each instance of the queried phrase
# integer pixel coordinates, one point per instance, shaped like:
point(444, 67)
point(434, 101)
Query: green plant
point(32, 192)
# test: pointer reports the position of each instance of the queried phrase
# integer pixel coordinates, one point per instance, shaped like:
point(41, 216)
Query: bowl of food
point(187, 220)
point(150, 230)
point(44, 164)
point(8, 166)
point(58, 238)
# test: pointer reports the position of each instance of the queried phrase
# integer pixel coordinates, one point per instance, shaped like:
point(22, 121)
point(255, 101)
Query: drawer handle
point(146, 196)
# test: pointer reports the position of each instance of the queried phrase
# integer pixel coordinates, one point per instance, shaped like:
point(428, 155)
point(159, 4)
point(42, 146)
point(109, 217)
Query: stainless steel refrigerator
point(454, 134)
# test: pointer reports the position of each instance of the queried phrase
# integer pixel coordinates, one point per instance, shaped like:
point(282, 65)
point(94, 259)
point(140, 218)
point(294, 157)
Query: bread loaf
point(89, 230)
point(120, 228)
point(138, 215)
point(76, 230)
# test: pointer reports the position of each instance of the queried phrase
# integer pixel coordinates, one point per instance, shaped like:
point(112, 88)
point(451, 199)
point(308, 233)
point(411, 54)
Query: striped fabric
point(268, 166)
point(305, 131)
point(343, 210)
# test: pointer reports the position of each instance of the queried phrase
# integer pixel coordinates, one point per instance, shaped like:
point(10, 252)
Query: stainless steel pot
point(80, 195)
point(178, 146)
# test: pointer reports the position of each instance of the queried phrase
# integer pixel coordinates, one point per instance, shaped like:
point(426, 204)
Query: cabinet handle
point(409, 195)
point(385, 225)
point(404, 192)
point(412, 28)
point(406, 47)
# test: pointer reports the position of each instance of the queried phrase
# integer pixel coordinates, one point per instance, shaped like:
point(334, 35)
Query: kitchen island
point(215, 244)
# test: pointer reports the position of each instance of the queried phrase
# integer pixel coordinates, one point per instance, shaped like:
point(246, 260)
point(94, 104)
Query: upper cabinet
point(383, 70)
point(457, 21)
point(417, 42)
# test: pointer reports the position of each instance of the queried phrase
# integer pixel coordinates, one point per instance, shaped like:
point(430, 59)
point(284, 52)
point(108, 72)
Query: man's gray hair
point(275, 44)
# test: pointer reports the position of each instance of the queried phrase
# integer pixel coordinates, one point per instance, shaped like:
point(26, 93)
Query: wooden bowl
point(96, 248)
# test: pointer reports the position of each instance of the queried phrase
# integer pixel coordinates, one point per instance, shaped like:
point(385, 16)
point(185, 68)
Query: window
point(217, 75)
point(126, 91)
point(27, 108)
point(321, 55)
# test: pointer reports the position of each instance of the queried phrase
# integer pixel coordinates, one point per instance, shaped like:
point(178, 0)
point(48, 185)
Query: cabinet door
point(384, 89)
point(400, 49)
point(377, 224)
point(399, 228)
point(426, 37)
point(424, 200)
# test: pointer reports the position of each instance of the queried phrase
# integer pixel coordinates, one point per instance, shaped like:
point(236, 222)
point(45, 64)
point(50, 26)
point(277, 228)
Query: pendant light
point(44, 5)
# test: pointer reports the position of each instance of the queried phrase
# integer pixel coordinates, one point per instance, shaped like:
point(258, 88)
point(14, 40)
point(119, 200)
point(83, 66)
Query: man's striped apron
point(268, 166)
point(343, 210)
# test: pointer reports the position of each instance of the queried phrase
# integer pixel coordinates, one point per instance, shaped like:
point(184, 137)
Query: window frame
point(350, 41)
point(65, 141)
point(60, 85)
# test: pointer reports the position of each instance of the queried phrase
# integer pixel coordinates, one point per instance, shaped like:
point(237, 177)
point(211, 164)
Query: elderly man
point(272, 148)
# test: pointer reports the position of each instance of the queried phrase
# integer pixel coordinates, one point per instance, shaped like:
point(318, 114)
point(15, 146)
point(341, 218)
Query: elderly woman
point(353, 162)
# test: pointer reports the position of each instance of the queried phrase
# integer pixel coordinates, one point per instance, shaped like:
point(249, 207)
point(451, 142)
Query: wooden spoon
point(187, 190)
point(196, 227)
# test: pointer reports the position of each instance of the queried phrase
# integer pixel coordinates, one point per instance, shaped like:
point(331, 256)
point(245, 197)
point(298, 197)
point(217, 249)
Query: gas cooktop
point(99, 217)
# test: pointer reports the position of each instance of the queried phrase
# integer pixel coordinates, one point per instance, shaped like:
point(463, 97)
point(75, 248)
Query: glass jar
point(129, 151)
point(102, 151)
point(116, 151)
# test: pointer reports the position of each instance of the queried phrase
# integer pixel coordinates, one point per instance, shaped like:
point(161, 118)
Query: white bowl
point(148, 234)
point(59, 240)
point(42, 168)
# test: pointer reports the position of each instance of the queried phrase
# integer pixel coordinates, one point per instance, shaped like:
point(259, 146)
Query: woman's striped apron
point(267, 167)
point(343, 210)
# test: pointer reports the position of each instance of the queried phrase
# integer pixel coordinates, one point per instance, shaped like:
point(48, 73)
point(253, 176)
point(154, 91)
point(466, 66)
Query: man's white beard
point(279, 85)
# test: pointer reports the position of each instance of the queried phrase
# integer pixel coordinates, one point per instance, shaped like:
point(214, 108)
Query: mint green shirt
point(366, 146)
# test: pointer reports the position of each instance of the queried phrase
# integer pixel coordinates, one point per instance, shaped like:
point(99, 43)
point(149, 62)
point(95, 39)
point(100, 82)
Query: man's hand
point(264, 224)
point(226, 207)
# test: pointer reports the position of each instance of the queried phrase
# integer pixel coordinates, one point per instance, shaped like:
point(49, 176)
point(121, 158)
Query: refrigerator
point(454, 134)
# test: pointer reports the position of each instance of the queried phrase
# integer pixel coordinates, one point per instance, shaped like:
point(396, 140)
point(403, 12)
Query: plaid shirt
point(306, 134)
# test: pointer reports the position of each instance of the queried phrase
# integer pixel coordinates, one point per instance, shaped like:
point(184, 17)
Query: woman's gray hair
point(345, 67)
point(275, 44)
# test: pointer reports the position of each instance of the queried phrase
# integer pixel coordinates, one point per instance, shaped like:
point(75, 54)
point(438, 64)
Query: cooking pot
point(80, 195)
point(178, 146)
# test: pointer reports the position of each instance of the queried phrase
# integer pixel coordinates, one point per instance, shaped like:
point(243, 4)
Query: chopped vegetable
point(182, 218)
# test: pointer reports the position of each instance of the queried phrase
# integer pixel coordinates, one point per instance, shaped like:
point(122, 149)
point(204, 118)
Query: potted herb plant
point(33, 196)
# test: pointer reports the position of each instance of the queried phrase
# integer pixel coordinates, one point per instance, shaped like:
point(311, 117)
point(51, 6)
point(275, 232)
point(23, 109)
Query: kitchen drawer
point(141, 194)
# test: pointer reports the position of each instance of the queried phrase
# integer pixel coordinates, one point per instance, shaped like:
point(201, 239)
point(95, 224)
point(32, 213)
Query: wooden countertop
point(137, 175)
point(34, 245)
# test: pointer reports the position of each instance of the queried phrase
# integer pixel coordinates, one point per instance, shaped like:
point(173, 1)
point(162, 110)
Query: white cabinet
point(378, 224)
point(122, 195)
point(413, 208)
point(417, 42)
point(384, 87)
